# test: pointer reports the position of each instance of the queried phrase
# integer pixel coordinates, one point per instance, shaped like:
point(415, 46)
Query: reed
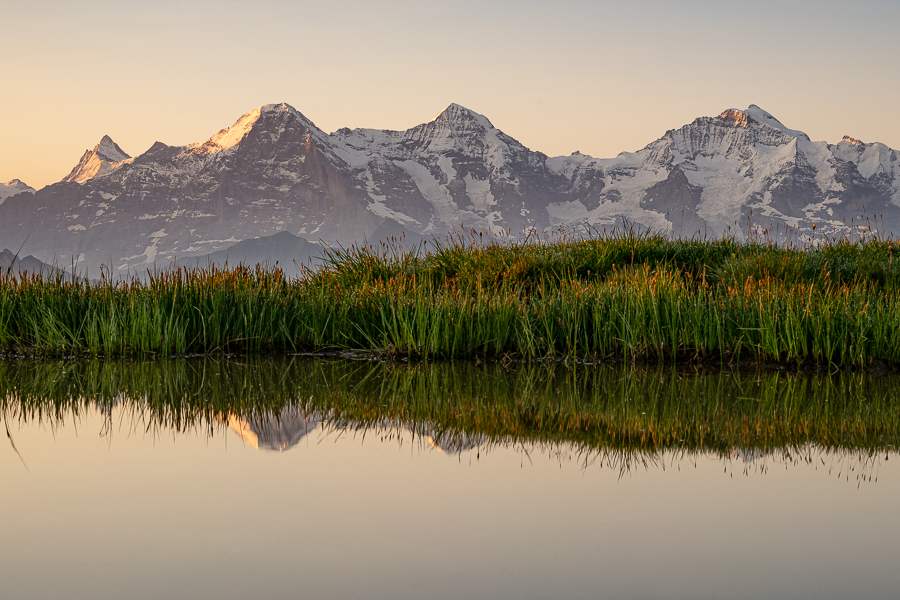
point(626, 296)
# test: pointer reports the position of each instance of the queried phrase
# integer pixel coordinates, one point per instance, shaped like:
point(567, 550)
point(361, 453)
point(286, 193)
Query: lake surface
point(229, 478)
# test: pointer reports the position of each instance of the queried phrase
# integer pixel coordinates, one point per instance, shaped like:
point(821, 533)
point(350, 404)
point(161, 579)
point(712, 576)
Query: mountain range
point(274, 171)
point(10, 263)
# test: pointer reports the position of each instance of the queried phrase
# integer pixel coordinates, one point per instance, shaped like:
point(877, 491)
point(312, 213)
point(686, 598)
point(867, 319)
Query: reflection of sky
point(156, 514)
point(596, 76)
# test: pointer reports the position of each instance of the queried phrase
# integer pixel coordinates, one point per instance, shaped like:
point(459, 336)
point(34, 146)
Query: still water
point(341, 479)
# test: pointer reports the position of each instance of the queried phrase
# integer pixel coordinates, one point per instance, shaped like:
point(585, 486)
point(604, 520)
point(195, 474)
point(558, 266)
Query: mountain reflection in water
point(274, 431)
point(283, 430)
point(616, 415)
point(536, 481)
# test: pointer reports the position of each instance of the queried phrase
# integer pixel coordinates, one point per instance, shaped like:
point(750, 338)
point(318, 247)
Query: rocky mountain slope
point(275, 171)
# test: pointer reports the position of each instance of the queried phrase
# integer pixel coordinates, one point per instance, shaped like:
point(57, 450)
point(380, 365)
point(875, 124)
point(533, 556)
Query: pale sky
point(599, 77)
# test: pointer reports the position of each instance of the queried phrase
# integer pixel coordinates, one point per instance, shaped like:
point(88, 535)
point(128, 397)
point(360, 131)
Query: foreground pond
point(338, 479)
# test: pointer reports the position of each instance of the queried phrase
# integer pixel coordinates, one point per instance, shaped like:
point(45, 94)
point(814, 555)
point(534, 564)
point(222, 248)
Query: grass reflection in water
point(622, 416)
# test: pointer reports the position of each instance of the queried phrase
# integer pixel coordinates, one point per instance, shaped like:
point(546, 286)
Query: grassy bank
point(602, 407)
point(631, 297)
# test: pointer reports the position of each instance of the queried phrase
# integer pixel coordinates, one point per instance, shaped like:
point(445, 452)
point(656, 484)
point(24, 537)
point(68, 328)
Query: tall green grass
point(635, 297)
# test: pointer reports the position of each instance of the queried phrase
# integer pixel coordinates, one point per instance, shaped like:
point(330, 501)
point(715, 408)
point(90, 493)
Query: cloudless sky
point(596, 76)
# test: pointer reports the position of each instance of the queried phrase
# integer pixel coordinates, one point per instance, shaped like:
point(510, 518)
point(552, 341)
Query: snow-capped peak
point(107, 149)
point(742, 118)
point(13, 187)
point(286, 108)
point(232, 136)
point(19, 184)
point(456, 113)
point(766, 118)
point(283, 107)
point(105, 158)
point(853, 141)
point(762, 116)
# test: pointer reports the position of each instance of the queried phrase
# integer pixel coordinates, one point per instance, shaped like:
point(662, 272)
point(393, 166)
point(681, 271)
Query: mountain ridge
point(274, 170)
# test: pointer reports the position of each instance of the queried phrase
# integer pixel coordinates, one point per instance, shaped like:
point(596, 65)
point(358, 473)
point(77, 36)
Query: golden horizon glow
point(599, 77)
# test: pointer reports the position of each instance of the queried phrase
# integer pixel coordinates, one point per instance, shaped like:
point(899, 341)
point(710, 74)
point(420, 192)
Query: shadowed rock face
point(274, 171)
point(680, 201)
